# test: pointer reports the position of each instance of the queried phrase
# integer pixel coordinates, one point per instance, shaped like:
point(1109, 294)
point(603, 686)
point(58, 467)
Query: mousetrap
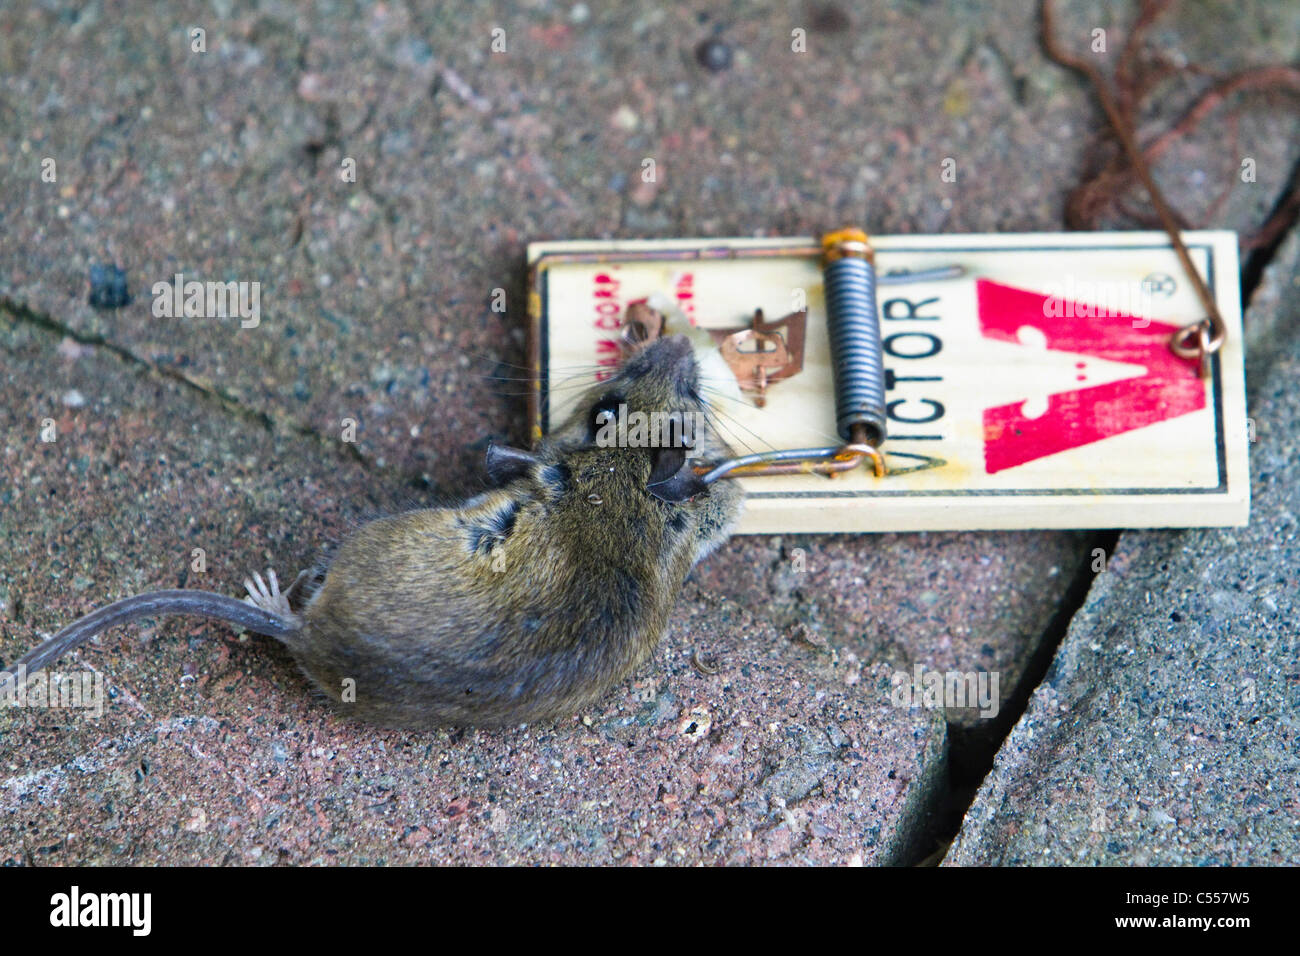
point(910, 383)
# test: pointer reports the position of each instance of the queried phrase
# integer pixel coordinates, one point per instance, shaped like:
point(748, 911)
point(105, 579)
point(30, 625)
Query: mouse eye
point(604, 413)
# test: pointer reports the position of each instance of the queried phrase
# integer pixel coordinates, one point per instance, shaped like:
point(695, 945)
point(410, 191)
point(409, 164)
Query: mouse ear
point(671, 476)
point(666, 462)
point(506, 464)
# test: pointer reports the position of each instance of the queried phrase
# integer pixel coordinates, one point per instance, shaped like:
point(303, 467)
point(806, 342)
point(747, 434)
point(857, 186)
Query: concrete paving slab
point(1166, 731)
point(733, 745)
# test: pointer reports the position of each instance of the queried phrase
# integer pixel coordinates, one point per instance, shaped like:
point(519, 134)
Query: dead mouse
point(527, 602)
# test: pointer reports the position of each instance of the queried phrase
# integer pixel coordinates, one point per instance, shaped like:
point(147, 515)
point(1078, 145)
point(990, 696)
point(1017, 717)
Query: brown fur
point(528, 602)
point(524, 603)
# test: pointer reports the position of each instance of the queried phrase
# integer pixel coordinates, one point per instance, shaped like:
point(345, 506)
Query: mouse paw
point(267, 597)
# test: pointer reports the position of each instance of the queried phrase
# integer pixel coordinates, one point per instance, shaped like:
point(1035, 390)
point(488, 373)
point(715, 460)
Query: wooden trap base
point(1037, 390)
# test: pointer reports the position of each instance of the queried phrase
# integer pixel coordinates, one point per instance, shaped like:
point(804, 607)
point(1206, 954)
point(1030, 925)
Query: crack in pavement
point(1257, 260)
point(272, 424)
point(979, 760)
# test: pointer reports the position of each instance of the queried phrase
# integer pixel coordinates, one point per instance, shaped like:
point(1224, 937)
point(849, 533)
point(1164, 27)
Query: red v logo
point(1170, 387)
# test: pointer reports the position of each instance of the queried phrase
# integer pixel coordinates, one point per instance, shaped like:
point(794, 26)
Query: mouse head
point(623, 477)
point(653, 401)
point(662, 374)
point(651, 420)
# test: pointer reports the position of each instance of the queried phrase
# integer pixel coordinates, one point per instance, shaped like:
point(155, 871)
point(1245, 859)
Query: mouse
point(527, 602)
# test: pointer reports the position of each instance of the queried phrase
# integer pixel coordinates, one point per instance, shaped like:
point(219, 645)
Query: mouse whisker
point(534, 375)
point(825, 436)
point(584, 378)
point(733, 421)
point(484, 357)
point(496, 361)
point(728, 433)
point(522, 378)
point(572, 382)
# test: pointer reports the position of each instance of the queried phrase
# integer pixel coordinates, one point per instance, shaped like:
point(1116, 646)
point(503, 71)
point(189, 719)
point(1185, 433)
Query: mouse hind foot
point(268, 596)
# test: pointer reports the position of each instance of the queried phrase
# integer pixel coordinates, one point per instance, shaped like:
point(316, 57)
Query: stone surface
point(970, 601)
point(735, 744)
point(1168, 729)
point(376, 306)
point(1228, 171)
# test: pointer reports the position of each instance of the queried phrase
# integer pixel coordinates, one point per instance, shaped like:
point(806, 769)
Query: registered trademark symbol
point(1159, 283)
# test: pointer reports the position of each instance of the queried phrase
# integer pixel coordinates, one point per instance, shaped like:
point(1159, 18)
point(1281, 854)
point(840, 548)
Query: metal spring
point(854, 327)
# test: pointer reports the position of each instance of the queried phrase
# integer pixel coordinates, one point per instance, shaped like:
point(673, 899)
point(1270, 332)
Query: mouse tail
point(156, 604)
